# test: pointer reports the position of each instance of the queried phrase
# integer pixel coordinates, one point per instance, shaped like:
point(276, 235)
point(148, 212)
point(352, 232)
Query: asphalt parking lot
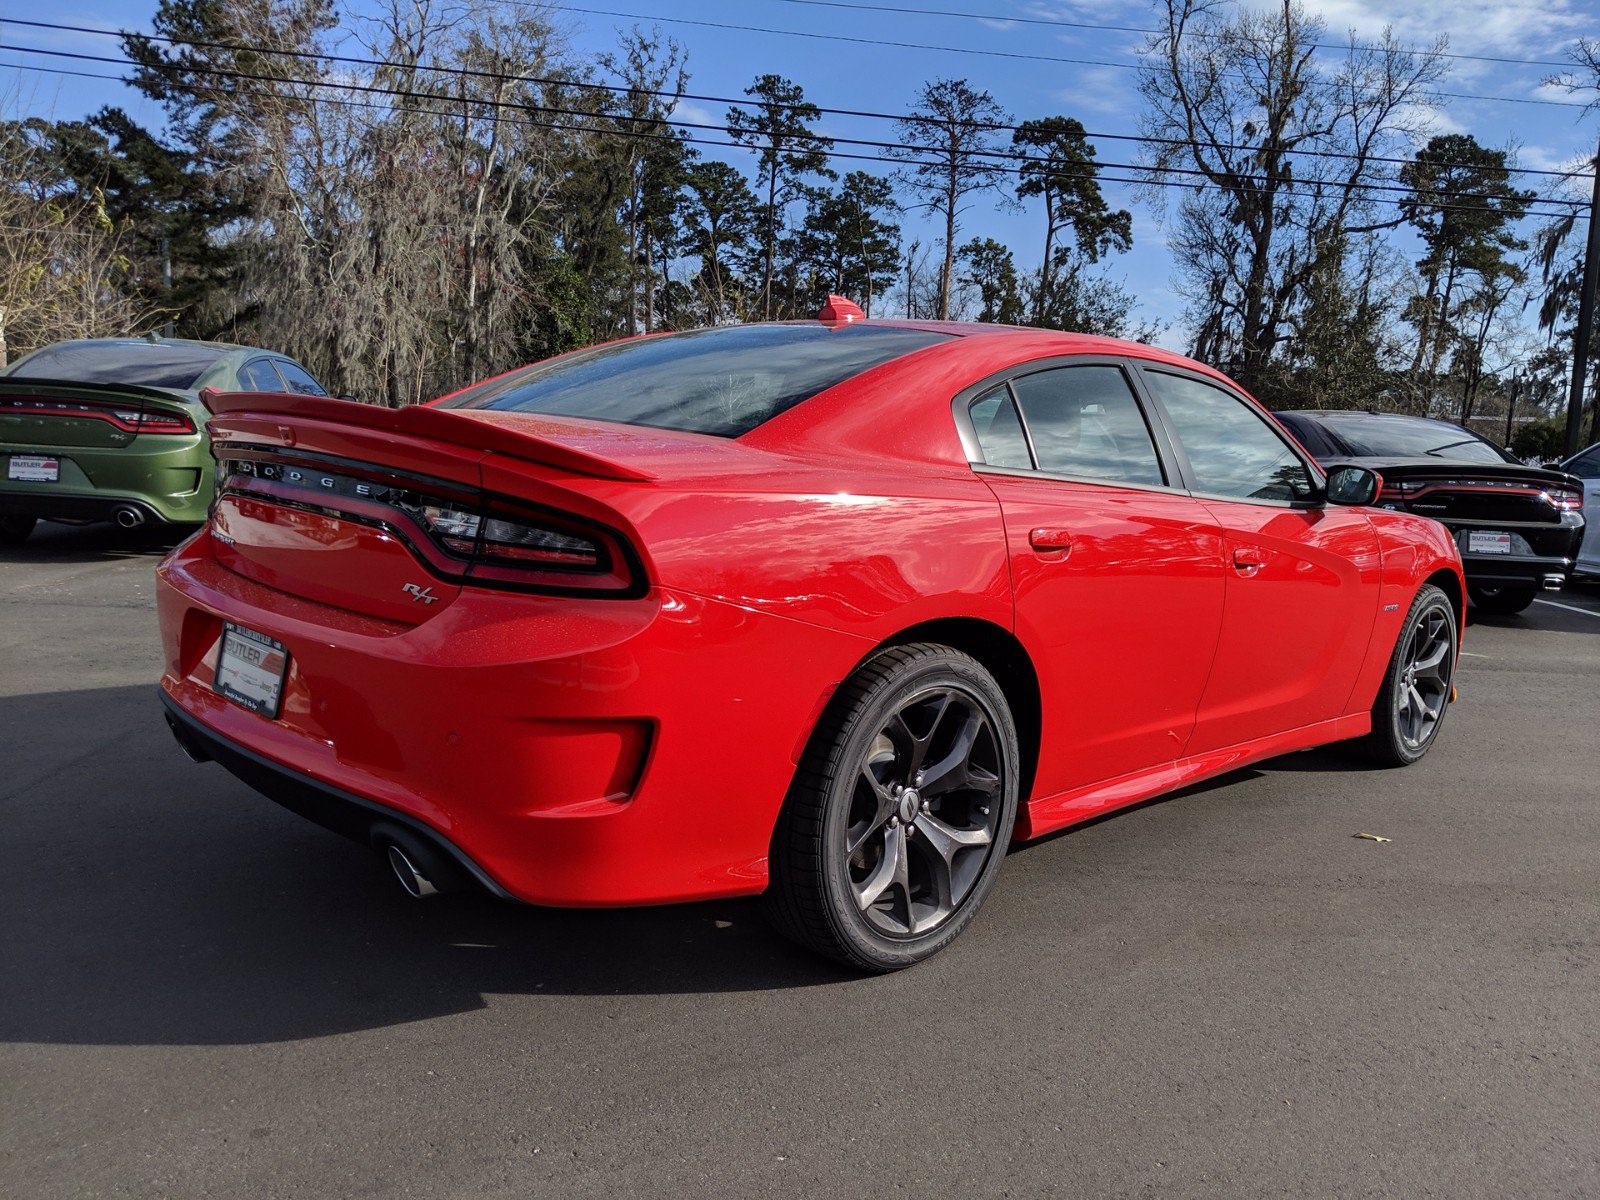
point(1224, 993)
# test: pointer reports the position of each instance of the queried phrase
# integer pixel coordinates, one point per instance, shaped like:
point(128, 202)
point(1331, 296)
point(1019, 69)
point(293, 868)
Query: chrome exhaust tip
point(417, 885)
point(1553, 582)
point(186, 743)
point(128, 517)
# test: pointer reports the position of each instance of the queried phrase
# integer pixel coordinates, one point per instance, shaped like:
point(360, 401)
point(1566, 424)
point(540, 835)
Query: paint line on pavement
point(1588, 612)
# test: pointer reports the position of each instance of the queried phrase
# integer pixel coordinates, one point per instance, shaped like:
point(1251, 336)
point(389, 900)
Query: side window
point(1233, 451)
point(299, 379)
point(1085, 421)
point(258, 376)
point(1000, 436)
point(1586, 466)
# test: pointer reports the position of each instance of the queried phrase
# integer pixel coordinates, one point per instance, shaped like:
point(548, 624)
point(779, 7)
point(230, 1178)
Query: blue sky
point(997, 53)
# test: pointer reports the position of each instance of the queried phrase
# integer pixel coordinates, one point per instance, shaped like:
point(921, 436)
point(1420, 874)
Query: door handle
point(1051, 541)
point(1247, 560)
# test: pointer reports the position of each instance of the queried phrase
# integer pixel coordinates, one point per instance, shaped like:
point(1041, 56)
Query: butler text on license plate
point(250, 669)
point(1488, 543)
point(34, 469)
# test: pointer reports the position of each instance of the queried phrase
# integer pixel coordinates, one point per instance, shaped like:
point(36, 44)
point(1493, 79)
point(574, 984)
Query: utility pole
point(1580, 336)
point(1511, 407)
point(166, 276)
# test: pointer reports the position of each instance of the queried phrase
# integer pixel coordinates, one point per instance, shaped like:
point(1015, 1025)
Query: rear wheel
point(14, 530)
point(1417, 687)
point(900, 813)
point(1501, 601)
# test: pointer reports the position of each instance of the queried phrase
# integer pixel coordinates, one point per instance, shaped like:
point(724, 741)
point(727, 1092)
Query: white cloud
point(1098, 90)
point(688, 110)
point(1507, 28)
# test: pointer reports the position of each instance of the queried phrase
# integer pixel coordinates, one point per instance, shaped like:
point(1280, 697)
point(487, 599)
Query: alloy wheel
point(924, 812)
point(1427, 663)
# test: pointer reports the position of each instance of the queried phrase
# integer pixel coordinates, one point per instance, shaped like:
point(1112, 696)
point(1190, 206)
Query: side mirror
point(1353, 485)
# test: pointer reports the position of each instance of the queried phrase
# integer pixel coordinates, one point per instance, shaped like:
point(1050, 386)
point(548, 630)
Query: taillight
point(511, 542)
point(476, 537)
point(1563, 499)
point(1398, 493)
point(165, 422)
point(129, 420)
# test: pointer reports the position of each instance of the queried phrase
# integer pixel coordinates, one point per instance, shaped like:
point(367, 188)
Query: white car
point(1585, 464)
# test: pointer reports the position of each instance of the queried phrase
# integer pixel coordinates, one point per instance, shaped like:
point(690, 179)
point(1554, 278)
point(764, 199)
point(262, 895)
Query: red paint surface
point(596, 750)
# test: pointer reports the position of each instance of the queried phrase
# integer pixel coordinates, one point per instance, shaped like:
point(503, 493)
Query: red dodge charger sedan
point(828, 610)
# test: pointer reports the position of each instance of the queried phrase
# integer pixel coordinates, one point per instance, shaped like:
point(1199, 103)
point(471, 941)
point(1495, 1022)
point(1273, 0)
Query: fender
point(1414, 549)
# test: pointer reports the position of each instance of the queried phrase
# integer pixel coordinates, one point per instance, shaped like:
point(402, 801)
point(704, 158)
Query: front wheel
point(1418, 685)
point(14, 530)
point(1501, 601)
point(900, 813)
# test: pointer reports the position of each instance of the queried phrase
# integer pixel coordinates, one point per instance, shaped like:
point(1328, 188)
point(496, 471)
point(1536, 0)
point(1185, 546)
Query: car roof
point(1365, 414)
point(226, 357)
point(222, 348)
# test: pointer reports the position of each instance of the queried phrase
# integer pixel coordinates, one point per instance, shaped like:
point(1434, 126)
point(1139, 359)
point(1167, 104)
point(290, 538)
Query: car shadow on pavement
point(151, 901)
point(54, 542)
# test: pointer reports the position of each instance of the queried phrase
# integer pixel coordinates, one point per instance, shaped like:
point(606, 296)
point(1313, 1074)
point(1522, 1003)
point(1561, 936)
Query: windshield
point(1410, 437)
point(150, 364)
point(717, 381)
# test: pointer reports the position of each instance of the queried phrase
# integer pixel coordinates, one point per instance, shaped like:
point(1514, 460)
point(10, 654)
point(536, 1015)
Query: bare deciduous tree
point(62, 270)
point(1243, 114)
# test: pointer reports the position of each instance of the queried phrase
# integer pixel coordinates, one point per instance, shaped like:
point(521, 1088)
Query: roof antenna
point(153, 336)
point(839, 311)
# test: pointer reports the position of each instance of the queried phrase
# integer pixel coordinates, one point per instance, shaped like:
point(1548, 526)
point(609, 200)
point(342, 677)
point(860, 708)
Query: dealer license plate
point(33, 469)
point(251, 668)
point(1488, 543)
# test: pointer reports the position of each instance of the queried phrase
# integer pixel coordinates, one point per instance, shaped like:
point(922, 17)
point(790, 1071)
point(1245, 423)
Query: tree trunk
point(951, 198)
point(772, 241)
point(649, 282)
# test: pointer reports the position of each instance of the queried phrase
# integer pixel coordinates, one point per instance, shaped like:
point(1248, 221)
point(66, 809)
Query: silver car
point(1585, 464)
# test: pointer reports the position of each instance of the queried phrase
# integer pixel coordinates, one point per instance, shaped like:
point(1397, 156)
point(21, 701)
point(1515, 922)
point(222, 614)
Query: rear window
point(149, 364)
point(1411, 437)
point(717, 381)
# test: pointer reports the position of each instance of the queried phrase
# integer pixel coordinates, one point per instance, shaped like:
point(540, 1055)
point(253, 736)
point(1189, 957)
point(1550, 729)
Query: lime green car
point(113, 429)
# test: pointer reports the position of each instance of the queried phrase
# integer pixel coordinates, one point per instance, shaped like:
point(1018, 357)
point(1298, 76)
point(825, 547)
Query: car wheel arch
point(1448, 582)
point(999, 652)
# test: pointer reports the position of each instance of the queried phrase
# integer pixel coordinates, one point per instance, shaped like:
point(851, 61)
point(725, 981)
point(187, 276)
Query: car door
point(1302, 575)
point(1117, 574)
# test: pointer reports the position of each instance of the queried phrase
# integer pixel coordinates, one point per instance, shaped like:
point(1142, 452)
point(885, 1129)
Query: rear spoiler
point(437, 424)
point(1448, 471)
point(135, 394)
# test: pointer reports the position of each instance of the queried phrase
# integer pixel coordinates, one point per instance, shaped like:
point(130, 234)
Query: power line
point(675, 123)
point(319, 56)
point(1094, 26)
point(976, 50)
point(665, 122)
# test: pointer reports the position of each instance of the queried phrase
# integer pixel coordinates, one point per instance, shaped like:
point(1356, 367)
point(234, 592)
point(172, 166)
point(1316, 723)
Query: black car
point(1518, 527)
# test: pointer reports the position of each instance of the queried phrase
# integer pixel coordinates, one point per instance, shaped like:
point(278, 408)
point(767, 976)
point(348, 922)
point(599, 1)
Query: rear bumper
point(166, 479)
point(1543, 555)
point(332, 808)
point(1489, 570)
point(68, 507)
point(575, 752)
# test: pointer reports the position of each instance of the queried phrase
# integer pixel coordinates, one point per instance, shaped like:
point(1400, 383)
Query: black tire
point(1501, 601)
point(847, 788)
point(1411, 707)
point(14, 530)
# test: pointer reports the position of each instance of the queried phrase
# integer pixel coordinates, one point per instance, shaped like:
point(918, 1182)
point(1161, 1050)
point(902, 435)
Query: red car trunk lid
point(342, 503)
